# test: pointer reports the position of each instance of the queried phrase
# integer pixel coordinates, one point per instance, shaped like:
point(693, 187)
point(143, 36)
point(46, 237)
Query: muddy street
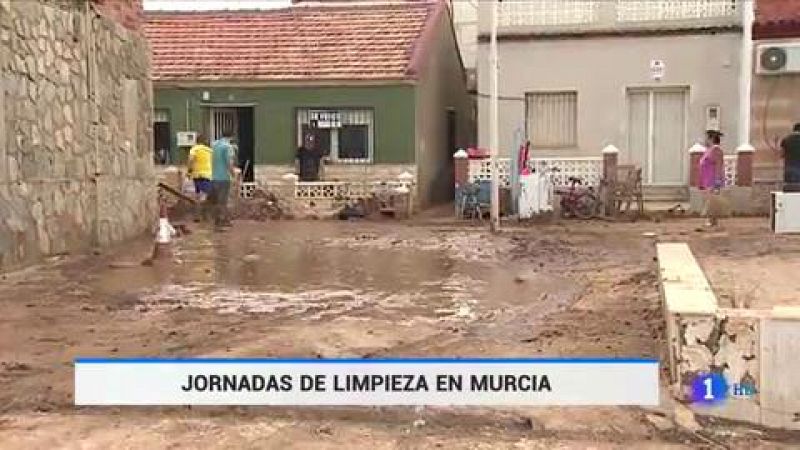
point(327, 289)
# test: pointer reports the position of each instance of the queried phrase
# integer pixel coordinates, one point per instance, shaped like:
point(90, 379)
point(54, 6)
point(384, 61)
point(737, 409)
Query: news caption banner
point(366, 382)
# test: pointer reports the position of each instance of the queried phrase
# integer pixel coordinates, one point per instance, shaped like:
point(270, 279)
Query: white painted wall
point(601, 69)
point(465, 23)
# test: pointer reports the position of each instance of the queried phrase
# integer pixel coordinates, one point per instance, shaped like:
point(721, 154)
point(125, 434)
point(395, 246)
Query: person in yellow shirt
point(199, 170)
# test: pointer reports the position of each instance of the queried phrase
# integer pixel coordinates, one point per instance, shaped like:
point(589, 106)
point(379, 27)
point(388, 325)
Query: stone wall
point(75, 131)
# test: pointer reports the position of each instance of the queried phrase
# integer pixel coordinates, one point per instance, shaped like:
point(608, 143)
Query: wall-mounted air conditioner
point(776, 59)
point(186, 138)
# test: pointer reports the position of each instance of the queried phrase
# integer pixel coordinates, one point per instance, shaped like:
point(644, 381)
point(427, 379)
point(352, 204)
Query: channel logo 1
point(713, 388)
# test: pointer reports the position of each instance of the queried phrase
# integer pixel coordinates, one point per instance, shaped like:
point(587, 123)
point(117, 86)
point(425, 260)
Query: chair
point(474, 200)
point(627, 189)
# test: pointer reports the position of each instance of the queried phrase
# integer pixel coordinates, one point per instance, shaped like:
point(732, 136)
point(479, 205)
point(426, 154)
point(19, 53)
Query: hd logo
point(713, 388)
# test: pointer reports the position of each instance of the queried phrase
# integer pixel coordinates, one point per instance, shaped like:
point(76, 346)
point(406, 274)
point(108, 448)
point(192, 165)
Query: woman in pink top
point(712, 175)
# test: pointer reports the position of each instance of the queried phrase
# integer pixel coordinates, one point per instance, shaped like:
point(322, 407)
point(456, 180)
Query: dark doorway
point(450, 149)
point(241, 121)
point(162, 142)
point(246, 141)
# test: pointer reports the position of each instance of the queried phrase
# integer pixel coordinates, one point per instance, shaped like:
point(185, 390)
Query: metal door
point(220, 119)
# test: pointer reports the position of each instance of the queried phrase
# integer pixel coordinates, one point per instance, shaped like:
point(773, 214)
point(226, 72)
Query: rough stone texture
point(129, 13)
point(72, 173)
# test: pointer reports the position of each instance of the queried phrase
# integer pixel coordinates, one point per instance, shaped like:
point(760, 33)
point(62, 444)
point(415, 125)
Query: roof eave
point(254, 83)
point(423, 43)
point(776, 30)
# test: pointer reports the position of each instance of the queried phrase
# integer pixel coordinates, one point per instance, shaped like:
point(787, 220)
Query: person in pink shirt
point(712, 175)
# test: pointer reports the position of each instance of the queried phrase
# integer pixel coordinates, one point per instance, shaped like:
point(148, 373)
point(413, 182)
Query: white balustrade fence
point(547, 12)
point(331, 190)
point(246, 189)
point(599, 13)
point(659, 10)
point(347, 190)
point(730, 170)
point(589, 169)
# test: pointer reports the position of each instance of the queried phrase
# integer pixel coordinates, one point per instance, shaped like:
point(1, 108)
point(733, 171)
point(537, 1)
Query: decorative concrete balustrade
point(738, 172)
point(330, 190)
point(589, 169)
point(555, 16)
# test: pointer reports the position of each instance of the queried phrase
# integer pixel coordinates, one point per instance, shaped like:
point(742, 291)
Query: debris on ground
point(352, 211)
point(263, 205)
point(684, 417)
point(661, 423)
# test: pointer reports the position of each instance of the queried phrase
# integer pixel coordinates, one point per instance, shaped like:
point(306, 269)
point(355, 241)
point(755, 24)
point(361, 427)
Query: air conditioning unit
point(784, 214)
point(186, 138)
point(776, 59)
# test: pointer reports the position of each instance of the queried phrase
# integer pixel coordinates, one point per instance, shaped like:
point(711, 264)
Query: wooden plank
point(174, 192)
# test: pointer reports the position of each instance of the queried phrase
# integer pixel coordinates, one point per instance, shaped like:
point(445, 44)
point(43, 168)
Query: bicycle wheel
point(586, 206)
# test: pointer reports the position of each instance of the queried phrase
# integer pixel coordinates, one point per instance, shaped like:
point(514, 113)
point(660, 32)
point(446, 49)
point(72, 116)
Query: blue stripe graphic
point(366, 360)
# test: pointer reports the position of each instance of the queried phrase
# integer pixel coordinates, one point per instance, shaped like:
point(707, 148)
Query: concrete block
point(684, 286)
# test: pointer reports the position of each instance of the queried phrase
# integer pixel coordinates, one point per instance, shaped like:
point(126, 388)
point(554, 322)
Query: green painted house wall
point(275, 116)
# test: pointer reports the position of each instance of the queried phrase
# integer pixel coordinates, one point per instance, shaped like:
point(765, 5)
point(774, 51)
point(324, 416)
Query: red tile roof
point(777, 19)
point(303, 43)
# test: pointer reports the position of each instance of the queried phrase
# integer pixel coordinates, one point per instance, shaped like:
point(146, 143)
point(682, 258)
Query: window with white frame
point(552, 119)
point(345, 135)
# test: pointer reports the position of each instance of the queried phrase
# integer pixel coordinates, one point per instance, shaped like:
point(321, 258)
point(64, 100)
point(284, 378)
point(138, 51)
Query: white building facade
point(648, 77)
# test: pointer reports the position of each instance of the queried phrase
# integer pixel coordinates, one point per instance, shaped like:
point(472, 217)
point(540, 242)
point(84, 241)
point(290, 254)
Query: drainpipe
point(746, 70)
point(493, 121)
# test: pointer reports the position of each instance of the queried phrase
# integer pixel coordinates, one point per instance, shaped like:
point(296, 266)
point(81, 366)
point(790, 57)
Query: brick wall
point(128, 13)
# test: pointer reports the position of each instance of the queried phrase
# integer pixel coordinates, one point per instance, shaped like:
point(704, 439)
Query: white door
point(657, 135)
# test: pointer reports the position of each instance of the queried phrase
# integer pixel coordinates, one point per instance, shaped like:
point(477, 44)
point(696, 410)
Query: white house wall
point(600, 69)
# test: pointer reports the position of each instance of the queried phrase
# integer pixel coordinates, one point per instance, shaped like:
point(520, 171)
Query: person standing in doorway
point(222, 174)
point(712, 176)
point(790, 152)
point(199, 170)
point(309, 157)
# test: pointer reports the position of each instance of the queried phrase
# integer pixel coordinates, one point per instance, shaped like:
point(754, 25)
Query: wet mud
point(323, 289)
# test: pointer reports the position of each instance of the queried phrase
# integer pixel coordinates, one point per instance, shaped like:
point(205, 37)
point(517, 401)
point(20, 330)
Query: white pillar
point(746, 70)
point(493, 121)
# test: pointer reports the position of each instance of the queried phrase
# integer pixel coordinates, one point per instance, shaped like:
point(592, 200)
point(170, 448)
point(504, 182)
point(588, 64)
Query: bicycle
point(581, 203)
